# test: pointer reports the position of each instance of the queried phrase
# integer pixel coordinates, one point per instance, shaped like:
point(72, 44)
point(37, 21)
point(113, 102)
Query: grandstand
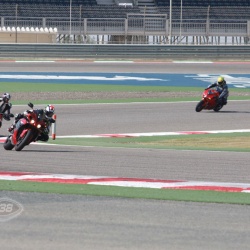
point(60, 8)
point(144, 17)
point(51, 2)
point(204, 3)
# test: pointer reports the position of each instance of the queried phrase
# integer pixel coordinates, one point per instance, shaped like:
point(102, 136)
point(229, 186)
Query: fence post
point(167, 27)
point(85, 29)
point(44, 22)
point(126, 30)
point(248, 28)
point(207, 30)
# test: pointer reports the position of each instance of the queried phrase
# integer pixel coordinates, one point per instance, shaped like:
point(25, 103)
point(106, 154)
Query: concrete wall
point(26, 37)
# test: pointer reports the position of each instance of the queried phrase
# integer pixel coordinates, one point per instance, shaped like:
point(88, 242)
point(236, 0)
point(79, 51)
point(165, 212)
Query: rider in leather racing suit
point(222, 88)
point(5, 106)
point(44, 114)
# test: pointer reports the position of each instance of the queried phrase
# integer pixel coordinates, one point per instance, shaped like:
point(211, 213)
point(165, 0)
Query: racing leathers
point(5, 108)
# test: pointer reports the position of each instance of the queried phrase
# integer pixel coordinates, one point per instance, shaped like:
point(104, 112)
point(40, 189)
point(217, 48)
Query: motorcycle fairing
point(20, 123)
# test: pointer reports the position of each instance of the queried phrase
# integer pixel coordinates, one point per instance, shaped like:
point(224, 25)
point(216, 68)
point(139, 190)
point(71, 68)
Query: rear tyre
point(218, 108)
point(7, 144)
point(199, 106)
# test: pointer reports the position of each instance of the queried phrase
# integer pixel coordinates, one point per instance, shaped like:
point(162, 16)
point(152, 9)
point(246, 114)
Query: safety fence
point(162, 52)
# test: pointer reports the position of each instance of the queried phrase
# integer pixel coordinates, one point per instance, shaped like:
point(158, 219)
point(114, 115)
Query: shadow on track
point(228, 112)
point(53, 151)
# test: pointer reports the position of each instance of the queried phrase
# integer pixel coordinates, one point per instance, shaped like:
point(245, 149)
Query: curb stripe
point(2, 139)
point(126, 182)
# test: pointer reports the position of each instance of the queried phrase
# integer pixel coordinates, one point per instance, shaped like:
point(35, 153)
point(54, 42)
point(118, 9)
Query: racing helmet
point(49, 110)
point(6, 97)
point(221, 80)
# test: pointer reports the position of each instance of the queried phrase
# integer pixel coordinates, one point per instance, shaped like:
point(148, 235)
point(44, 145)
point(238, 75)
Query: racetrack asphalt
point(83, 222)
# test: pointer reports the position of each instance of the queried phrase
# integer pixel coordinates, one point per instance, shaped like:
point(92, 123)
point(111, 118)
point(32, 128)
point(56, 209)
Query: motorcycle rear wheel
point(7, 144)
point(25, 141)
point(218, 108)
point(199, 106)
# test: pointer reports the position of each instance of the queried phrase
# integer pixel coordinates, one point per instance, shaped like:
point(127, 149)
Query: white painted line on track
point(113, 61)
point(190, 62)
point(34, 61)
point(122, 103)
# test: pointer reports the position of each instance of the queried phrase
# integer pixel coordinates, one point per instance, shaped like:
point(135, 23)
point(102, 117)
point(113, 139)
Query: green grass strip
point(31, 87)
point(237, 142)
point(127, 192)
point(54, 87)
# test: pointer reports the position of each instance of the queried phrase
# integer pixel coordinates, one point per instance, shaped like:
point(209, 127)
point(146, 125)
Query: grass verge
point(239, 142)
point(127, 192)
point(181, 93)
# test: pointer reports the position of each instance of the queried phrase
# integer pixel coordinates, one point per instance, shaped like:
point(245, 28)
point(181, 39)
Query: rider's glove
point(28, 111)
point(18, 116)
point(31, 105)
point(51, 120)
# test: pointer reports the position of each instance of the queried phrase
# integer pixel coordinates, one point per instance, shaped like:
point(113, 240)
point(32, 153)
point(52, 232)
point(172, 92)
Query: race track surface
point(83, 222)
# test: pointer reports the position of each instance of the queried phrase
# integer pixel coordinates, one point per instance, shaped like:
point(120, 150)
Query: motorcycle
point(27, 130)
point(209, 101)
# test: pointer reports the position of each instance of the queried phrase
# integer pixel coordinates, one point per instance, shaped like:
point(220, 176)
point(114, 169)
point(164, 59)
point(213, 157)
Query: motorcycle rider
point(5, 107)
point(44, 114)
point(222, 88)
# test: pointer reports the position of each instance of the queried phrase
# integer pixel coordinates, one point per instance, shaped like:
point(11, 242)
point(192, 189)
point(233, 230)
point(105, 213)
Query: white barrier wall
point(27, 35)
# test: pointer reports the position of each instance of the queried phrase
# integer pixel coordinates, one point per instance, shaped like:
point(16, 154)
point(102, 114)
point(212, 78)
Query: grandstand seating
point(48, 10)
point(52, 2)
point(220, 12)
point(204, 3)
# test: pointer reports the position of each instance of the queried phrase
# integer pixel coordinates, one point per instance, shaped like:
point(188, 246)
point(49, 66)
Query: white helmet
point(6, 97)
point(49, 110)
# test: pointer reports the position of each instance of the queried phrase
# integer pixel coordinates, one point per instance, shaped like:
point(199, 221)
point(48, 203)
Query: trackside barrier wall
point(163, 52)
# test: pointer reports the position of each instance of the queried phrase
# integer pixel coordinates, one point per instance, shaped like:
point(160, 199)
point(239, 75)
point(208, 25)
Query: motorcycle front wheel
point(199, 106)
point(22, 142)
point(7, 144)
